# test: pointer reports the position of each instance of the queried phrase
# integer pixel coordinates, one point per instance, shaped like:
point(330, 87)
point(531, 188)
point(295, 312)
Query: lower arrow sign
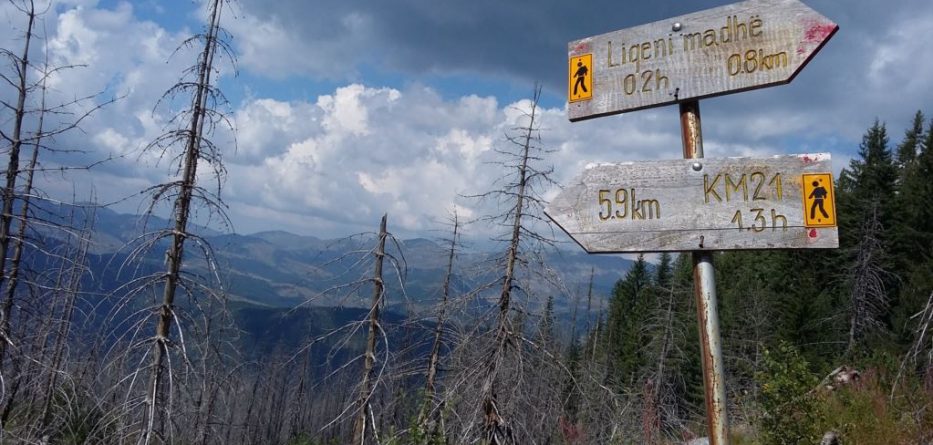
point(703, 204)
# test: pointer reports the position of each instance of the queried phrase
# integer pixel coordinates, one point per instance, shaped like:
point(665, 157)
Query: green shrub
point(790, 414)
point(795, 411)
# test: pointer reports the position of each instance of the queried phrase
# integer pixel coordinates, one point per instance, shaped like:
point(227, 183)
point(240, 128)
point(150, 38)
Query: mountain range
point(279, 269)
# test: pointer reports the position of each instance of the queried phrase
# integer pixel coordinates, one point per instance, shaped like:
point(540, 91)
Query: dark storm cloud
point(860, 74)
point(521, 39)
point(518, 37)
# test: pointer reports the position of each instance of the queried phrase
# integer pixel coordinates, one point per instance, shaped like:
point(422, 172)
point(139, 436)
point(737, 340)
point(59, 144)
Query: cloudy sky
point(347, 109)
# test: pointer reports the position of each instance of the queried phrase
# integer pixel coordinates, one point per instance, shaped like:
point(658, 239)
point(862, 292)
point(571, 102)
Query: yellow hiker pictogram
point(819, 200)
point(580, 82)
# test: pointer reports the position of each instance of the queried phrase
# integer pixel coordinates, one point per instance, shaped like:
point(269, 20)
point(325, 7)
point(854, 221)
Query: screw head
point(697, 166)
point(677, 26)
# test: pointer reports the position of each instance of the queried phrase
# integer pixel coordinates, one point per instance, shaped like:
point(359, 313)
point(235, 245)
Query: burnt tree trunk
point(496, 430)
point(12, 173)
point(369, 361)
point(182, 209)
point(429, 412)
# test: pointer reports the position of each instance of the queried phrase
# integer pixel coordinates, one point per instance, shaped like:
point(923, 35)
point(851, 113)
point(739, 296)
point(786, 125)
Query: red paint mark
point(812, 233)
point(819, 31)
point(581, 47)
point(807, 159)
point(815, 35)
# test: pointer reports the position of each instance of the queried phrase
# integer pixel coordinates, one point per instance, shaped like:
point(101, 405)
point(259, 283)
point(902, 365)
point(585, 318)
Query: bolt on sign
point(701, 204)
point(732, 48)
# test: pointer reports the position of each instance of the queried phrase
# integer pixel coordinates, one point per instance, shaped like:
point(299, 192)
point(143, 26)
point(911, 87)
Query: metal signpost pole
point(704, 289)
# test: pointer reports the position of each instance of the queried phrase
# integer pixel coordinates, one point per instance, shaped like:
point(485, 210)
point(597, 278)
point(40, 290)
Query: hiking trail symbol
point(580, 78)
point(819, 202)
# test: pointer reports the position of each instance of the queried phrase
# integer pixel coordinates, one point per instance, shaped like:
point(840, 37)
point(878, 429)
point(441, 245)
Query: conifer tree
point(627, 313)
point(688, 366)
point(915, 209)
point(663, 273)
point(660, 377)
point(913, 234)
point(870, 178)
point(867, 199)
point(908, 148)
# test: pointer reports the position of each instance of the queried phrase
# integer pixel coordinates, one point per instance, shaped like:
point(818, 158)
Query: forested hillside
point(170, 328)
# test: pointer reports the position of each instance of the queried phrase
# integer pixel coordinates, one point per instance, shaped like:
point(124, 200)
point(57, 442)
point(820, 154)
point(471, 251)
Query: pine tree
point(660, 377)
point(627, 313)
point(908, 148)
point(689, 368)
point(664, 272)
point(913, 235)
point(867, 200)
point(805, 285)
point(915, 209)
point(746, 312)
point(569, 393)
point(870, 179)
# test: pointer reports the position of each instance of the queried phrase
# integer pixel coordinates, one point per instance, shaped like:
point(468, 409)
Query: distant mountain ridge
point(282, 269)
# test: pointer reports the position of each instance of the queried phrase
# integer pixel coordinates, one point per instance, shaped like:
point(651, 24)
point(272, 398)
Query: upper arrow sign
point(752, 44)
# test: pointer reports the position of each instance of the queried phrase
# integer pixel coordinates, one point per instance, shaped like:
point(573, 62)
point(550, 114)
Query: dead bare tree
point(21, 83)
point(15, 138)
point(868, 297)
point(366, 385)
point(6, 218)
point(68, 283)
point(922, 345)
point(496, 429)
point(27, 129)
point(196, 124)
point(36, 306)
point(429, 415)
point(499, 374)
point(361, 403)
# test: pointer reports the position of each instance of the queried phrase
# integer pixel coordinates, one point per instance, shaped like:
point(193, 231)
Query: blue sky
point(345, 110)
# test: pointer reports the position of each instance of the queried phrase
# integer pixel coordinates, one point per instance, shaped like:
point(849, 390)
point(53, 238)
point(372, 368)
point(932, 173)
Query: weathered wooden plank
point(737, 47)
point(703, 204)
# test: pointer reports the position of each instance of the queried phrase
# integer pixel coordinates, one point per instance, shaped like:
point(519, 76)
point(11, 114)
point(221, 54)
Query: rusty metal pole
point(704, 289)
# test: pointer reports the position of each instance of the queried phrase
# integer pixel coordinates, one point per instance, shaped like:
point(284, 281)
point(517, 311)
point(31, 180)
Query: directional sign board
point(700, 204)
point(752, 44)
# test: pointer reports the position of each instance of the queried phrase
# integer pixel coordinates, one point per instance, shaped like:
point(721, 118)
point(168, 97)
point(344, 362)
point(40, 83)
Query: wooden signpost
point(752, 44)
point(698, 205)
point(713, 204)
